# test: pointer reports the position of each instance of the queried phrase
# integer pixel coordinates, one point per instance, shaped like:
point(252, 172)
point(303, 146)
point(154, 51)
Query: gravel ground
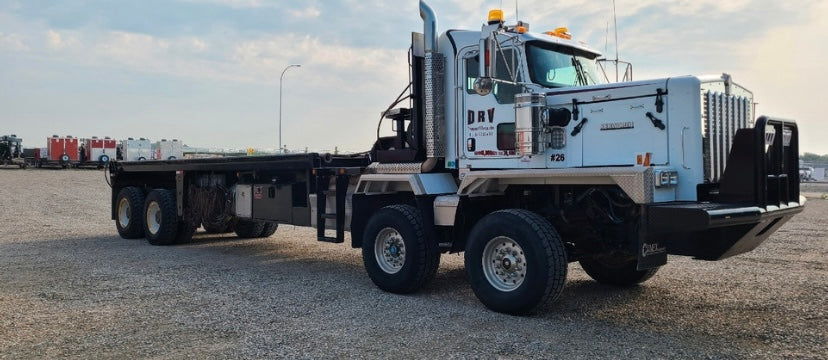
point(70, 287)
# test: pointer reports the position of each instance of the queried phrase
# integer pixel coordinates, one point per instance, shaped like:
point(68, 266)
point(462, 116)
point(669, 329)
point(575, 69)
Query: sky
point(207, 71)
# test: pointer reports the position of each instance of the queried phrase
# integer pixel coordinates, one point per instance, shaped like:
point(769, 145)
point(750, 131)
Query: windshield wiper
point(579, 71)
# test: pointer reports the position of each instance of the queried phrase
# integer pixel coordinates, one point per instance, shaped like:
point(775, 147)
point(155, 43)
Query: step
point(330, 239)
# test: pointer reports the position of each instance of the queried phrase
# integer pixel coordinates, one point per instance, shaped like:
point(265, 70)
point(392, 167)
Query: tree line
point(814, 158)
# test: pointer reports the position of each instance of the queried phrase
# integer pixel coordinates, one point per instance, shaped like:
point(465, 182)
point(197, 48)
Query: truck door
point(488, 129)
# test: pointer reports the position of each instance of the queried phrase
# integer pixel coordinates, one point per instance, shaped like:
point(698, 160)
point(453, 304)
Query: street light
point(280, 102)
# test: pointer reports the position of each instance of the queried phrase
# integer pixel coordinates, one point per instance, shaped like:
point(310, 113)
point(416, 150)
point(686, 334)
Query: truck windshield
point(552, 65)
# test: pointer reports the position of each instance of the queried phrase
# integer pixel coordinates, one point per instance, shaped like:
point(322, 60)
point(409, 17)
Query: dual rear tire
point(515, 261)
point(154, 216)
point(398, 252)
point(250, 229)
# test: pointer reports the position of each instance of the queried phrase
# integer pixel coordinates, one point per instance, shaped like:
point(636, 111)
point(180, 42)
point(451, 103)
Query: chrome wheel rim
point(153, 217)
point(123, 212)
point(504, 263)
point(389, 250)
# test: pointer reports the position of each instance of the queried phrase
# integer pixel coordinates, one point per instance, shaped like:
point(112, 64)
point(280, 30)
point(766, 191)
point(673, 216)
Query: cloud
point(57, 40)
point(306, 13)
point(236, 4)
point(12, 42)
point(353, 52)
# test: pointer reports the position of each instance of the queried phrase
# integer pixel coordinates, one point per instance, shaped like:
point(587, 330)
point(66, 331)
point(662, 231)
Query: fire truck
point(512, 148)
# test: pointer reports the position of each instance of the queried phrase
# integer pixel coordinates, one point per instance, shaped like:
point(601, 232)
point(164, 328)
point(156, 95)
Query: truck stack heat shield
point(434, 115)
point(529, 123)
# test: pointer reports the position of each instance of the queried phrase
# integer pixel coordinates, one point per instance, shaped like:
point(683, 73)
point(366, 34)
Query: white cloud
point(12, 42)
point(306, 13)
point(785, 70)
point(59, 40)
point(772, 48)
point(237, 4)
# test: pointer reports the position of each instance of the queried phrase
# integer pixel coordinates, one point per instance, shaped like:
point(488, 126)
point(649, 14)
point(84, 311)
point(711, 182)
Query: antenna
point(628, 75)
point(606, 39)
point(615, 24)
point(517, 14)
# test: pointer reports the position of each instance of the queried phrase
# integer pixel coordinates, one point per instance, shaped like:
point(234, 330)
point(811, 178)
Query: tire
point(268, 229)
point(399, 255)
point(104, 159)
point(498, 244)
point(141, 158)
point(129, 213)
point(220, 224)
point(171, 158)
point(248, 229)
point(160, 217)
point(618, 273)
point(184, 233)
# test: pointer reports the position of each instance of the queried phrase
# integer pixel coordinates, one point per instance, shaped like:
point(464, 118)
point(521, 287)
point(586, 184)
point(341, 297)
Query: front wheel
point(399, 255)
point(515, 261)
point(617, 272)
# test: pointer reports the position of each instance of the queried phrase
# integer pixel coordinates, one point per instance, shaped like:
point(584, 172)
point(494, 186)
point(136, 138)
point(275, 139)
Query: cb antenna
point(517, 14)
point(615, 25)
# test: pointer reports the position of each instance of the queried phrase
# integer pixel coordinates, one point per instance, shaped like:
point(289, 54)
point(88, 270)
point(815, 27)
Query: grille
point(722, 115)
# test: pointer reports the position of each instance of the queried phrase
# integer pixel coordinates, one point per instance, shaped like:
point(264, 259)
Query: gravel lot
point(70, 287)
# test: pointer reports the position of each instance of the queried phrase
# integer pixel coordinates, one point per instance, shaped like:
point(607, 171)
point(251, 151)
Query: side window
point(506, 136)
point(503, 93)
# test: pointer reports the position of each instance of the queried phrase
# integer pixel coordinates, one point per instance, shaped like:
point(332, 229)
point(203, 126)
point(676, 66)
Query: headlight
point(665, 178)
point(558, 135)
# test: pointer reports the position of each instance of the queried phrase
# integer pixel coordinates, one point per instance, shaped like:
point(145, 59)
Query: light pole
point(280, 102)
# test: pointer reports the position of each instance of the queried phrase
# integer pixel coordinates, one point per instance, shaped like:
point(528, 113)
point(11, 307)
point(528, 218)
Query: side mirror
point(488, 59)
point(483, 86)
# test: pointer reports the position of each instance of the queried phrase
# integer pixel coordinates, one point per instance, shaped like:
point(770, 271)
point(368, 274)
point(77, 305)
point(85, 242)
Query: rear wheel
point(515, 261)
point(268, 229)
point(217, 225)
point(129, 206)
point(247, 229)
point(160, 217)
point(399, 255)
point(617, 272)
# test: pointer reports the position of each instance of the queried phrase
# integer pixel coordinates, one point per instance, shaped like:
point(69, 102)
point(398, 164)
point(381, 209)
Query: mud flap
point(651, 253)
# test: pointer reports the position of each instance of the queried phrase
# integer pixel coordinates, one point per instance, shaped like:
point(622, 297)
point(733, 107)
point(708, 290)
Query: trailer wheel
point(161, 217)
point(617, 273)
point(247, 229)
point(515, 261)
point(268, 229)
point(399, 255)
point(129, 206)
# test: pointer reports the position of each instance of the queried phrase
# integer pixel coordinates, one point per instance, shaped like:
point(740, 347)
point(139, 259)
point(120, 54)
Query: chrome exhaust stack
point(433, 89)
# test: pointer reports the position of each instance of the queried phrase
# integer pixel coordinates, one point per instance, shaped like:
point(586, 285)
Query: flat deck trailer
point(514, 152)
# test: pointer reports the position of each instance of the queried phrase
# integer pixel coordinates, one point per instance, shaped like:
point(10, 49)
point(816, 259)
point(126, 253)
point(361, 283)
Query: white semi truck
point(513, 150)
